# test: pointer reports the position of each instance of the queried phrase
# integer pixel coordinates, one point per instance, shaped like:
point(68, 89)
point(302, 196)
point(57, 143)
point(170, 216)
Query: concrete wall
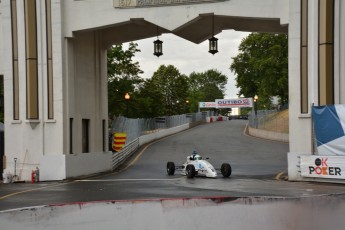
point(83, 164)
point(86, 92)
point(325, 212)
point(77, 15)
point(265, 134)
point(301, 139)
point(29, 140)
point(61, 167)
point(161, 133)
point(1, 41)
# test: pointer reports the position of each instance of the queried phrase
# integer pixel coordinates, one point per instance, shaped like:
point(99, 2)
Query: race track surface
point(255, 165)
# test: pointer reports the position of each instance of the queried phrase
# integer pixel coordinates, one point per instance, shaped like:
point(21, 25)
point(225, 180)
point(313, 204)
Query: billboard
point(234, 103)
point(207, 105)
point(329, 126)
point(323, 166)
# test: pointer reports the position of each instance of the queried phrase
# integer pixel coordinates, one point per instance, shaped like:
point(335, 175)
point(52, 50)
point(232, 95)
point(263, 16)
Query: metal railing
point(120, 157)
point(268, 120)
point(134, 128)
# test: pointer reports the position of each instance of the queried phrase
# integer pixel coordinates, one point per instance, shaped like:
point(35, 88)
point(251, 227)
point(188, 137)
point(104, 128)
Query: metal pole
point(127, 108)
point(312, 131)
point(15, 168)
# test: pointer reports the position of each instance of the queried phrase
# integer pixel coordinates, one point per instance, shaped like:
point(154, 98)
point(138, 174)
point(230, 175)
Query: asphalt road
point(255, 166)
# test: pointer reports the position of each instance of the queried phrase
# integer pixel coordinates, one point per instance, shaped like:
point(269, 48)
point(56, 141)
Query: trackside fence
point(268, 120)
point(142, 131)
point(125, 153)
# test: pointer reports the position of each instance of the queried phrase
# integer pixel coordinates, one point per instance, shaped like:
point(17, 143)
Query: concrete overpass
point(53, 60)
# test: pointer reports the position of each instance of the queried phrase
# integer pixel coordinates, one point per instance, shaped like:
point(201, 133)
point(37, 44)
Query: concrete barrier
point(216, 118)
point(265, 134)
point(161, 133)
point(324, 212)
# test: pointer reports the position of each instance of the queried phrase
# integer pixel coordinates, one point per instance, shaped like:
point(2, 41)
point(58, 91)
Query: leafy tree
point(123, 77)
point(150, 100)
point(206, 86)
point(262, 67)
point(166, 92)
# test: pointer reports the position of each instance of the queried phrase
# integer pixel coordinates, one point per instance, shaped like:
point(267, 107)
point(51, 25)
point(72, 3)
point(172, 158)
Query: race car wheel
point(190, 171)
point(225, 169)
point(170, 168)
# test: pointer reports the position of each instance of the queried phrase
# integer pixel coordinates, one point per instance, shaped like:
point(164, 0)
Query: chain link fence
point(135, 128)
point(270, 120)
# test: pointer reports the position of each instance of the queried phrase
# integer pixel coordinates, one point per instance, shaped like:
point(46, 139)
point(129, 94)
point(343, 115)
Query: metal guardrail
point(127, 151)
point(267, 120)
point(135, 128)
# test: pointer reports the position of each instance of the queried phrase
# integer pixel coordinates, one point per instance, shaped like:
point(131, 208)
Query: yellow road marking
point(35, 189)
point(51, 186)
point(142, 151)
point(279, 175)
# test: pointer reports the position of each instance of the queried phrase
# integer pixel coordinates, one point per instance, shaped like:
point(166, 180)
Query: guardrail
point(127, 151)
point(120, 157)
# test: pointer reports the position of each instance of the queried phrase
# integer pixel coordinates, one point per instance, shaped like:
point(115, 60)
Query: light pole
point(127, 98)
point(255, 105)
point(256, 111)
point(187, 106)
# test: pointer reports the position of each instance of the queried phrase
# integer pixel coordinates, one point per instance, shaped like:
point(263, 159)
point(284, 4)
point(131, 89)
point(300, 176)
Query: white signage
point(151, 3)
point(234, 103)
point(207, 105)
point(323, 166)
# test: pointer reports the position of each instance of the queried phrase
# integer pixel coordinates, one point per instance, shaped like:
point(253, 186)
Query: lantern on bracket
point(213, 42)
point(158, 46)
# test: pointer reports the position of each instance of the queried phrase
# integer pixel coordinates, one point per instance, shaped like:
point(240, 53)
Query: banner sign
point(323, 166)
point(207, 105)
point(234, 103)
point(151, 3)
point(329, 126)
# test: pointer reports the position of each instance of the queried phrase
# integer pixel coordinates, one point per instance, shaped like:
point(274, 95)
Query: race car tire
point(190, 171)
point(171, 168)
point(225, 170)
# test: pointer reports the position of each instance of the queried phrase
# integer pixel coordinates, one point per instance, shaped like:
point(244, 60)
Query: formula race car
point(196, 166)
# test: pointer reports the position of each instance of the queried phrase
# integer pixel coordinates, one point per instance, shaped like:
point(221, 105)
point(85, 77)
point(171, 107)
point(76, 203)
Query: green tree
point(206, 86)
point(261, 67)
point(150, 100)
point(123, 77)
point(169, 89)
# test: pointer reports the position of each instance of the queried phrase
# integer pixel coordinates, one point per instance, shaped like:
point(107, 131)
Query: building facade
point(53, 61)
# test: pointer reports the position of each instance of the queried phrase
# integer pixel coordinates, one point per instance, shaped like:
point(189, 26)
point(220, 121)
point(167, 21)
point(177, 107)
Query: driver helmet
point(197, 157)
point(194, 152)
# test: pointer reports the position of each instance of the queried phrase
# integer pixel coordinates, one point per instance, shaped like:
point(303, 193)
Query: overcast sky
point(188, 57)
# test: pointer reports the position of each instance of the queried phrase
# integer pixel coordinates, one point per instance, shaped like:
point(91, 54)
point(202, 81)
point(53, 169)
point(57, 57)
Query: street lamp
point(213, 42)
point(157, 46)
point(256, 111)
point(127, 97)
point(186, 107)
point(255, 105)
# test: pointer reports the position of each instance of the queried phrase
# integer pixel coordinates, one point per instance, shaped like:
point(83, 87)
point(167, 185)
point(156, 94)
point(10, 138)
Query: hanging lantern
point(158, 47)
point(213, 42)
point(213, 45)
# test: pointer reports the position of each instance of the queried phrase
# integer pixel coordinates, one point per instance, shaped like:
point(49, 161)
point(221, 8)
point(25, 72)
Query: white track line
point(118, 180)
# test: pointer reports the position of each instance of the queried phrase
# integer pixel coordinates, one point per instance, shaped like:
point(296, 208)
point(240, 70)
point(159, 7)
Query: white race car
point(196, 166)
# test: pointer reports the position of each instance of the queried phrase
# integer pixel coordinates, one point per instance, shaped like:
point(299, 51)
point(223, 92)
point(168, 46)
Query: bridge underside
point(197, 30)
